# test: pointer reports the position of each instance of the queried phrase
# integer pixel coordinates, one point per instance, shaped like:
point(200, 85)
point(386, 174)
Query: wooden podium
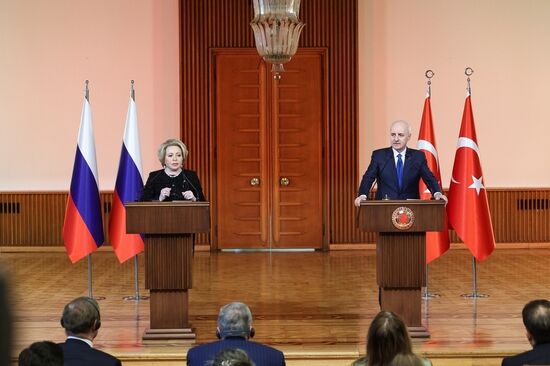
point(169, 230)
point(401, 253)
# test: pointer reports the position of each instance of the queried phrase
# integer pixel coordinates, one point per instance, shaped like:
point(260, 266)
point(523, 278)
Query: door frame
point(212, 112)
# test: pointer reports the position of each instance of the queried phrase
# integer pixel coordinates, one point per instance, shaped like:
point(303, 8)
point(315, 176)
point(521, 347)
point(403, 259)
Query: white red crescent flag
point(468, 208)
point(437, 242)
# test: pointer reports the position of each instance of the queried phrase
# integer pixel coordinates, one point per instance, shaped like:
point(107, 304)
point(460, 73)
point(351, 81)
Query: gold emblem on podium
point(402, 218)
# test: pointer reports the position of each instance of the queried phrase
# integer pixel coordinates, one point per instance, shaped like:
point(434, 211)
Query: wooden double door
point(268, 151)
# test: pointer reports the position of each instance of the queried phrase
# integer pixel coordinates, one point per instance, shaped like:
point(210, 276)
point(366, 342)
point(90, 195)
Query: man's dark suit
point(79, 353)
point(539, 355)
point(262, 355)
point(382, 169)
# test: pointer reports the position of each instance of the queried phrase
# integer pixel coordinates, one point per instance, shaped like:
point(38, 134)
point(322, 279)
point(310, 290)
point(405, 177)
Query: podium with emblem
point(401, 253)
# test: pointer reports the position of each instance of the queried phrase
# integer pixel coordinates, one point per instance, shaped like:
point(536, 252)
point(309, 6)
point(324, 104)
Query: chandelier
point(276, 30)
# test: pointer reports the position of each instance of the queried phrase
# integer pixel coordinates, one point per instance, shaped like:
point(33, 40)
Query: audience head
point(232, 357)
point(169, 145)
point(406, 359)
point(387, 336)
point(235, 320)
point(536, 318)
point(81, 318)
point(42, 354)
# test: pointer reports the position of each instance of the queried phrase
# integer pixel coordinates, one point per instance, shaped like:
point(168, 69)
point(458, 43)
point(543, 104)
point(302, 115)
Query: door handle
point(254, 181)
point(285, 181)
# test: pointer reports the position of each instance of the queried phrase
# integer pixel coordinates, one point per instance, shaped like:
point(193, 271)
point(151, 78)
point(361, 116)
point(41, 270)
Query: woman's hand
point(164, 193)
point(188, 195)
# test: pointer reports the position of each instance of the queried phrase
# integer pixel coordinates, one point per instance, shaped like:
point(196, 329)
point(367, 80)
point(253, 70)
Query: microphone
point(195, 191)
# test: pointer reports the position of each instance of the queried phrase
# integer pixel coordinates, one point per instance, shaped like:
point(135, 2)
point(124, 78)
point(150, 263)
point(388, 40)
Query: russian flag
point(128, 188)
point(83, 226)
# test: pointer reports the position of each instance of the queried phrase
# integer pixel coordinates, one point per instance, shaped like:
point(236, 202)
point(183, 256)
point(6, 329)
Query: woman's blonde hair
point(171, 142)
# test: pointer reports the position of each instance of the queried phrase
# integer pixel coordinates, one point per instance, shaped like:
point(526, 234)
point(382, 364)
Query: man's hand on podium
point(441, 196)
point(359, 199)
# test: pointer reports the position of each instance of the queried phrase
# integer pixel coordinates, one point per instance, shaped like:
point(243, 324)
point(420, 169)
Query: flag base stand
point(426, 294)
point(135, 298)
point(430, 295)
point(98, 298)
point(475, 296)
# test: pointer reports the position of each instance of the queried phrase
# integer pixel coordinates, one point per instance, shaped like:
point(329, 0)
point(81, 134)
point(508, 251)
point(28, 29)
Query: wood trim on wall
point(35, 219)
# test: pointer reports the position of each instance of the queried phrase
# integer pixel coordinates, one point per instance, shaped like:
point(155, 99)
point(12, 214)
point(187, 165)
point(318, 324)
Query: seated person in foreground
point(232, 357)
point(536, 318)
point(234, 331)
point(81, 320)
point(43, 353)
point(172, 183)
point(387, 337)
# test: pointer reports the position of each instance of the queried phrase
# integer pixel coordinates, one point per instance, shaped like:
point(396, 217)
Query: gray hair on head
point(235, 320)
point(403, 122)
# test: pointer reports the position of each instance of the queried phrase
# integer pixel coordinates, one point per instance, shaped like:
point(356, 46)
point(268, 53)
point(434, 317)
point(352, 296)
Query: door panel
point(297, 170)
point(272, 131)
point(241, 152)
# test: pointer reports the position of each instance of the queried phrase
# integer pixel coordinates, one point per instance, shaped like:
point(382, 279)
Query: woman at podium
point(172, 183)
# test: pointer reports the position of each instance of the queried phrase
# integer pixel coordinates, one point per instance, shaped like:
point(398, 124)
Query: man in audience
point(536, 318)
point(234, 331)
point(81, 320)
point(43, 353)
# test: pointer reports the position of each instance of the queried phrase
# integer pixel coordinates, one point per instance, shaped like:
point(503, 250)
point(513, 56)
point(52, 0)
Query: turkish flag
point(437, 242)
point(468, 208)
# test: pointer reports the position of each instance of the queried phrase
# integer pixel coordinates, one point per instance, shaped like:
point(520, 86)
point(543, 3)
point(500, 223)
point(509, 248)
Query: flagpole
point(137, 296)
point(90, 288)
point(427, 295)
point(474, 294)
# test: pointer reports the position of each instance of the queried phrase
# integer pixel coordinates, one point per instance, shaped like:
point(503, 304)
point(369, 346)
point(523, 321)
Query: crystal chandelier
point(277, 30)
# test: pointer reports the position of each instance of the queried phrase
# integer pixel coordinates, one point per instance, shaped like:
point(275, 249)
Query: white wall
point(506, 42)
point(47, 50)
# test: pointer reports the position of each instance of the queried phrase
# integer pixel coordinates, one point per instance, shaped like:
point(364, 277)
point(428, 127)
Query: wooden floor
point(316, 306)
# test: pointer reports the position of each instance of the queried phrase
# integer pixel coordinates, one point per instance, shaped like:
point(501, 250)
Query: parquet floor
point(316, 307)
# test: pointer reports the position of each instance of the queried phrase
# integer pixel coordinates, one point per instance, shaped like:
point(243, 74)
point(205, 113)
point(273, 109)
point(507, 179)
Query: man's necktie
point(399, 170)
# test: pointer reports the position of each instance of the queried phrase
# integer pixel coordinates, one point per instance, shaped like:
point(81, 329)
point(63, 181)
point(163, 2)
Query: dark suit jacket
point(382, 169)
point(79, 353)
point(187, 180)
point(262, 355)
point(539, 355)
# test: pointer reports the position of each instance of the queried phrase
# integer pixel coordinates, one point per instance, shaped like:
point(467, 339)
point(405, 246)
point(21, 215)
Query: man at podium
point(397, 170)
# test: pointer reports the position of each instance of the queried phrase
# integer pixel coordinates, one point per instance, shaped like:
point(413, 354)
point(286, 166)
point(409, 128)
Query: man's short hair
point(536, 318)
point(43, 353)
point(81, 315)
point(232, 357)
point(234, 320)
